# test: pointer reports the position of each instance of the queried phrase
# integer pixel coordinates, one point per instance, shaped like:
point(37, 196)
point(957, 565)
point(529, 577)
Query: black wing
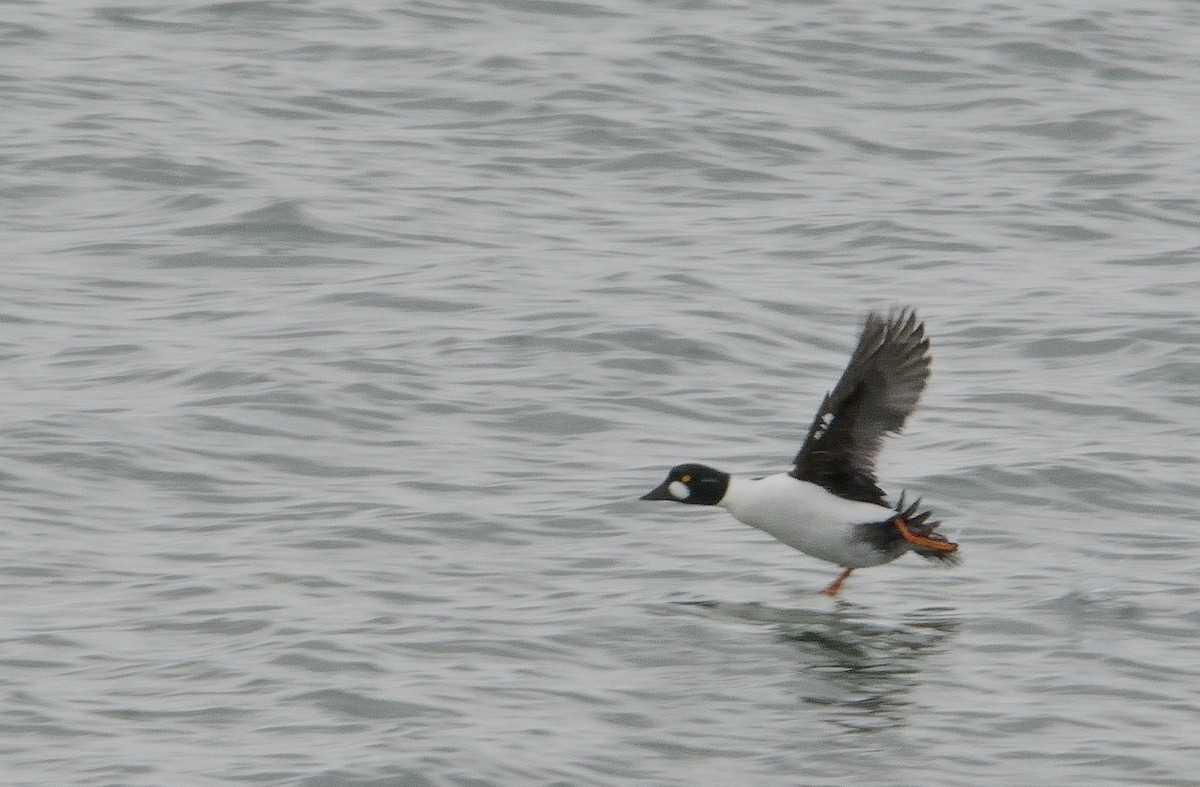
point(878, 390)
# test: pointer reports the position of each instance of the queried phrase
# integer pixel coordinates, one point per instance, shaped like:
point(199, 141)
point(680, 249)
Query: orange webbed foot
point(835, 587)
point(925, 542)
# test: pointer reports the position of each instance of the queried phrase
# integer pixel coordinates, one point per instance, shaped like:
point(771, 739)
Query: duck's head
point(691, 483)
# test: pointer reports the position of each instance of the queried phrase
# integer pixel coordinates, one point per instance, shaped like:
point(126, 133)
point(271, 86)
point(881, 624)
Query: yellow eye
point(687, 479)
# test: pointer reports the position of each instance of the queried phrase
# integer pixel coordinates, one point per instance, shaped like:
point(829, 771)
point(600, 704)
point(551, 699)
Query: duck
point(829, 504)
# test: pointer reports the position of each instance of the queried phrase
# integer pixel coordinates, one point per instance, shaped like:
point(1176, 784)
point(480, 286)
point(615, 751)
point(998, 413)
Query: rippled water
point(339, 342)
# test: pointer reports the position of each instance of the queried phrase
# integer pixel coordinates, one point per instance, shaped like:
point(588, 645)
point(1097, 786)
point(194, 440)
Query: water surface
point(340, 342)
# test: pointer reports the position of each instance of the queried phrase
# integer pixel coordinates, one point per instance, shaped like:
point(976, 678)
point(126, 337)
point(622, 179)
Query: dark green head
point(691, 483)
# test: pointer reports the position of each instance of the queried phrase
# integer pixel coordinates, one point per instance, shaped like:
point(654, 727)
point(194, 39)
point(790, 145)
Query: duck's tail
point(919, 532)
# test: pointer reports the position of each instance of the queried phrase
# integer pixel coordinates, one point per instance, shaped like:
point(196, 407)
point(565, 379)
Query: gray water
point(339, 341)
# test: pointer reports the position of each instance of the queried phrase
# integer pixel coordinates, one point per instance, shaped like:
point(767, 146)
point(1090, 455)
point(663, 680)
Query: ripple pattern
point(340, 342)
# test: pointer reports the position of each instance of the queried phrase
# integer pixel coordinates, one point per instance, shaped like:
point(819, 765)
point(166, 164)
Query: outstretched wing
point(878, 390)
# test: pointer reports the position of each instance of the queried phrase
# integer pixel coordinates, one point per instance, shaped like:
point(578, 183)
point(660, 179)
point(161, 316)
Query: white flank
point(808, 518)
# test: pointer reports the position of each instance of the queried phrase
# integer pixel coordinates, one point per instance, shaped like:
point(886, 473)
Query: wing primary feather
point(876, 393)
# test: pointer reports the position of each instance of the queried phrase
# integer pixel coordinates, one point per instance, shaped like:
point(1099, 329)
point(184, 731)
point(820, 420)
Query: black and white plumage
point(830, 505)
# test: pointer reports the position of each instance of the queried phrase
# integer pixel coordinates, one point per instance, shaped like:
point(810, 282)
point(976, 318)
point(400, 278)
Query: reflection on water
point(861, 670)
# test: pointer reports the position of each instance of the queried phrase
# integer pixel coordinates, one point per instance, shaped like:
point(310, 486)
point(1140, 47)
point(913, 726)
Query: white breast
point(808, 518)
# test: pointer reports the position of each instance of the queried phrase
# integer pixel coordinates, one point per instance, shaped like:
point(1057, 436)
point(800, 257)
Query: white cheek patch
point(679, 489)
